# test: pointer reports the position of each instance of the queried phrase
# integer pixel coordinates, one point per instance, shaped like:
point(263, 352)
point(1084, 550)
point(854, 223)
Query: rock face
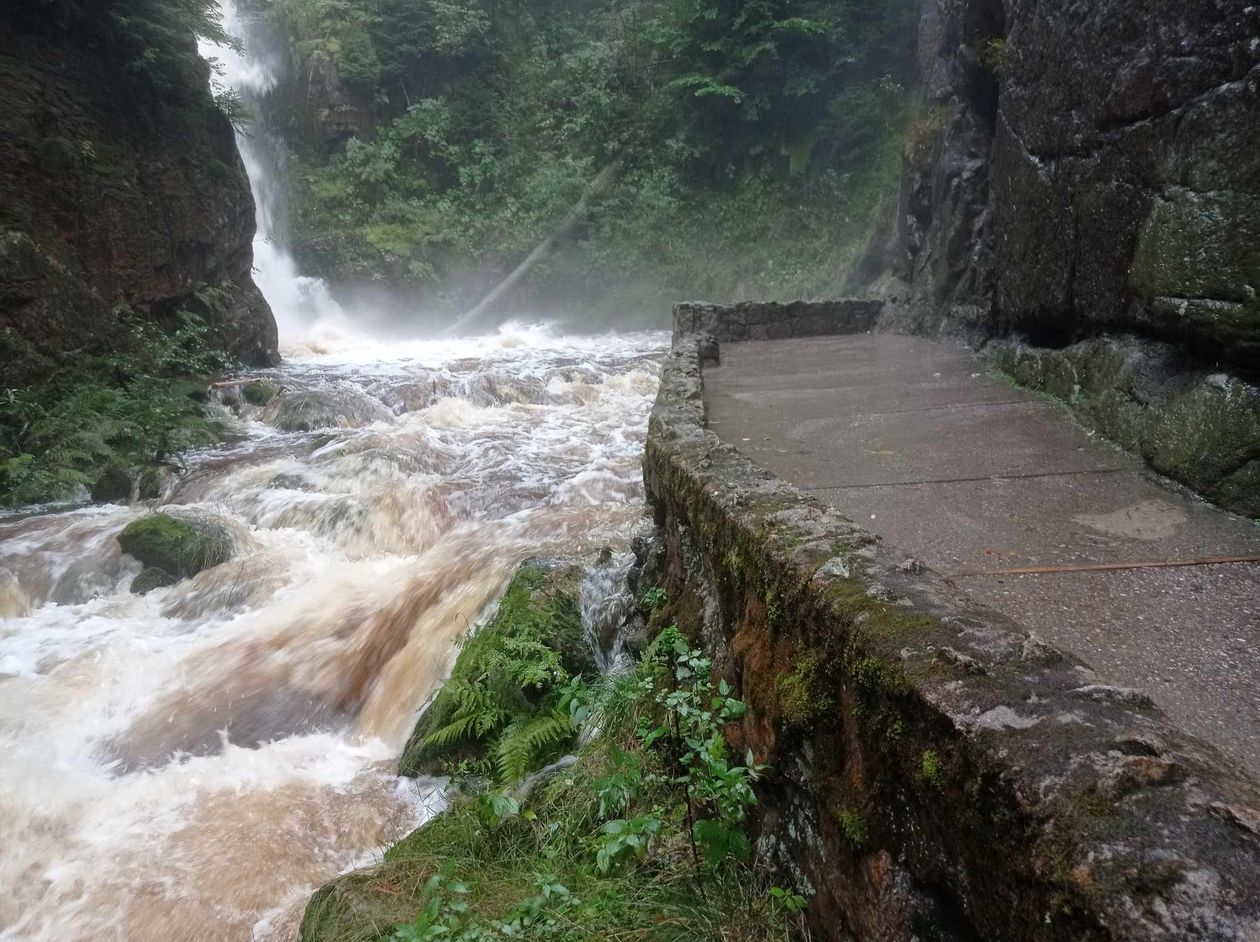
point(1088, 166)
point(307, 410)
point(120, 187)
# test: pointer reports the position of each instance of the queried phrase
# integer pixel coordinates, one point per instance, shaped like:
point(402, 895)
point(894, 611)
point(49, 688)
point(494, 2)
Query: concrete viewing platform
point(1001, 492)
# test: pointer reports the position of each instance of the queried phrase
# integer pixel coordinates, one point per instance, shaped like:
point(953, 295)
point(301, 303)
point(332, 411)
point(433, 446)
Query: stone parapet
point(936, 771)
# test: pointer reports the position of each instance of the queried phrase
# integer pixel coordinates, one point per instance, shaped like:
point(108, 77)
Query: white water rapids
point(190, 764)
point(291, 674)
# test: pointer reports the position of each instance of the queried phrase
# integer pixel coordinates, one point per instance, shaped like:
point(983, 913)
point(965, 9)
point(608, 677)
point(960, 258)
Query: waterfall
point(299, 302)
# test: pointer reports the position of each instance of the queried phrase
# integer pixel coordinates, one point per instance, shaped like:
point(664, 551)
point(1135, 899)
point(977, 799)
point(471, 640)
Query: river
point(190, 764)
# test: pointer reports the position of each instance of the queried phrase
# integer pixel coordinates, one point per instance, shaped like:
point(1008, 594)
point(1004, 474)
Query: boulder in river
point(150, 579)
point(495, 389)
point(177, 546)
point(306, 410)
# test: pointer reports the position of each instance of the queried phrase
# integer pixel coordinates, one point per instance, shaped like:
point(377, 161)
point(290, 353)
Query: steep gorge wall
point(118, 189)
point(1083, 184)
point(1086, 166)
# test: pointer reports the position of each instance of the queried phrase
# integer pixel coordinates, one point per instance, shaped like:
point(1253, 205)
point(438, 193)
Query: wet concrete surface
point(912, 438)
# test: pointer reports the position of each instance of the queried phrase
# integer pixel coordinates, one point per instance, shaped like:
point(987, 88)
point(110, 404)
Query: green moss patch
point(176, 546)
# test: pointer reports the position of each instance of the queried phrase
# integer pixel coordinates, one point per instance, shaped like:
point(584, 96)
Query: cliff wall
point(1087, 166)
point(1082, 182)
point(120, 188)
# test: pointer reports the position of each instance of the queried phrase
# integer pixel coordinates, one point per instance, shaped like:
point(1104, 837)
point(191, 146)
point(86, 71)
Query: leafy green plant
point(129, 409)
point(687, 726)
point(654, 597)
point(512, 697)
point(622, 838)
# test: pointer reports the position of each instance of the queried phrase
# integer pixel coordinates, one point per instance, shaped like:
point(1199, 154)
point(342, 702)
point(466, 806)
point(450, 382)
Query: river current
point(190, 764)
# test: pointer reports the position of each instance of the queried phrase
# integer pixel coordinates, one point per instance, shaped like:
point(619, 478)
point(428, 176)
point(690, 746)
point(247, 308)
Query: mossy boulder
point(178, 546)
point(259, 392)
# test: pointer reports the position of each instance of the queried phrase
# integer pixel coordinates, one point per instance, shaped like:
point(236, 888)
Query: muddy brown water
point(191, 764)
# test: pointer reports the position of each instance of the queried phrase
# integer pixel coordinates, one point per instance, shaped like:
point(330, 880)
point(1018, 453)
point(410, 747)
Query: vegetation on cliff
point(639, 835)
point(753, 139)
point(131, 409)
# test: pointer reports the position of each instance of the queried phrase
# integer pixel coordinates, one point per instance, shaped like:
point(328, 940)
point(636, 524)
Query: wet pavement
point(976, 478)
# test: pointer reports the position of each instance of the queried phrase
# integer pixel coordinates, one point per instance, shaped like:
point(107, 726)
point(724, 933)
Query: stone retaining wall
point(936, 771)
point(772, 320)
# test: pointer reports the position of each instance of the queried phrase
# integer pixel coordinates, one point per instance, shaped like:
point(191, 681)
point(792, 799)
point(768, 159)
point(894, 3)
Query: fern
point(505, 697)
point(126, 409)
point(528, 740)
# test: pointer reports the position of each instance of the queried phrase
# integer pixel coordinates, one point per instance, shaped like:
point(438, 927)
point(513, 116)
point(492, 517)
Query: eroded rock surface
point(1082, 166)
point(119, 188)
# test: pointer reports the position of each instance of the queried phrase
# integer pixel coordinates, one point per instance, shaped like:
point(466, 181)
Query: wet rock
point(123, 485)
point(497, 389)
point(418, 392)
point(114, 200)
point(179, 546)
point(114, 486)
point(259, 392)
point(311, 409)
point(1199, 427)
point(1070, 173)
point(150, 579)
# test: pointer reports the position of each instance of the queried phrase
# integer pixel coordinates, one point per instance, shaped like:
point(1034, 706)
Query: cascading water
point(191, 763)
point(299, 302)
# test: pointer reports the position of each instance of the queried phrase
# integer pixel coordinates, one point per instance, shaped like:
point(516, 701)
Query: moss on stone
point(805, 695)
point(1203, 431)
point(854, 827)
point(259, 392)
point(930, 770)
point(175, 545)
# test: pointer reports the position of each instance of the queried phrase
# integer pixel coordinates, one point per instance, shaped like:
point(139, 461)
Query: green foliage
point(157, 37)
point(122, 410)
point(622, 839)
point(686, 724)
point(601, 850)
point(755, 137)
point(511, 697)
point(654, 598)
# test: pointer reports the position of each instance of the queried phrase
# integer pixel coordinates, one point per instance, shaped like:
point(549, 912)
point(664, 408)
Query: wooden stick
point(1110, 567)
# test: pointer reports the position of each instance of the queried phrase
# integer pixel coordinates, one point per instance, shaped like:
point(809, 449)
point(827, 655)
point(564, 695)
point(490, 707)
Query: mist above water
point(191, 764)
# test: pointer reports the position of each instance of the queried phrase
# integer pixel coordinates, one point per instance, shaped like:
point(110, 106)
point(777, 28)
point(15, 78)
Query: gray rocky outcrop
point(1086, 166)
point(305, 410)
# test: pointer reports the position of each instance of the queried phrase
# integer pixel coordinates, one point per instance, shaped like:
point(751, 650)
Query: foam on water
point(192, 763)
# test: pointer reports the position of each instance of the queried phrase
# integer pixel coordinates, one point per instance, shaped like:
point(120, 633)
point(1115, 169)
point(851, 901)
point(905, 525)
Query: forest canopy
point(752, 138)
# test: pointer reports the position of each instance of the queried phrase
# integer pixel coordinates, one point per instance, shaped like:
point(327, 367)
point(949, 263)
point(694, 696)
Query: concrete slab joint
point(937, 771)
